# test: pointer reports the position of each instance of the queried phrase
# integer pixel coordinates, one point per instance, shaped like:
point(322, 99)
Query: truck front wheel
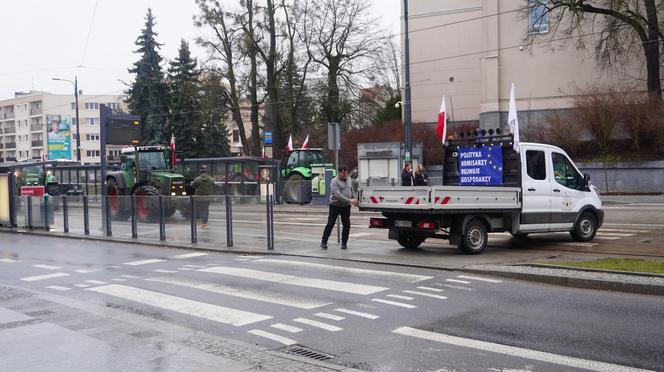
point(409, 241)
point(474, 238)
point(585, 227)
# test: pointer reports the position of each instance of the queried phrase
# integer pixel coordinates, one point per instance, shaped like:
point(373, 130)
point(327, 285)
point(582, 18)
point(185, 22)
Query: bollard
point(134, 227)
point(107, 213)
point(45, 216)
point(192, 207)
point(229, 222)
point(162, 227)
point(271, 220)
point(86, 216)
point(29, 212)
point(65, 214)
point(267, 222)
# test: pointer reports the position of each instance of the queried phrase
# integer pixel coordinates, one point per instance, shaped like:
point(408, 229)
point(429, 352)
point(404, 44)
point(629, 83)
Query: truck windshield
point(154, 160)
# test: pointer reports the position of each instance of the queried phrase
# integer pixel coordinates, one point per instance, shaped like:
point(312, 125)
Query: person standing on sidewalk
point(342, 197)
point(204, 188)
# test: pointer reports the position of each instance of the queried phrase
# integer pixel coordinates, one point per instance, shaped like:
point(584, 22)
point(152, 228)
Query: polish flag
point(305, 145)
point(441, 128)
point(290, 143)
point(172, 146)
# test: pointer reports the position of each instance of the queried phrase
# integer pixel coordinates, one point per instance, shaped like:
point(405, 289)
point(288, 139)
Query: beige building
point(472, 50)
point(23, 125)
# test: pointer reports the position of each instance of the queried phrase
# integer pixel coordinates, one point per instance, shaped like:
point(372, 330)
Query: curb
point(576, 282)
point(590, 270)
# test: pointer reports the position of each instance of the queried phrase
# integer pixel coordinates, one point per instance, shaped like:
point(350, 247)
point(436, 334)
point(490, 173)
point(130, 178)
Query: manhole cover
point(302, 351)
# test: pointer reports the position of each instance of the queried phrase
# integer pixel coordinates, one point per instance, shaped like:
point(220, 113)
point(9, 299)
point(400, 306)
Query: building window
point(73, 105)
point(538, 17)
point(91, 121)
point(92, 137)
point(236, 136)
point(92, 153)
point(113, 105)
point(92, 106)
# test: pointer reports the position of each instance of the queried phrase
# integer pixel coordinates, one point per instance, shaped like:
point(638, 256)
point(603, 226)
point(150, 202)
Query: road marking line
point(114, 267)
point(43, 277)
point(513, 351)
point(613, 234)
point(321, 325)
point(330, 316)
point(252, 294)
point(607, 237)
point(189, 255)
point(95, 282)
point(358, 235)
point(47, 267)
point(426, 294)
point(622, 230)
point(410, 278)
point(195, 266)
point(58, 287)
point(82, 285)
point(130, 276)
point(119, 279)
point(331, 285)
point(9, 260)
point(86, 271)
point(286, 327)
point(578, 244)
point(243, 259)
point(457, 281)
point(400, 297)
point(393, 303)
point(165, 271)
point(458, 287)
point(280, 339)
point(144, 262)
point(430, 289)
point(185, 268)
point(181, 305)
point(357, 313)
point(479, 278)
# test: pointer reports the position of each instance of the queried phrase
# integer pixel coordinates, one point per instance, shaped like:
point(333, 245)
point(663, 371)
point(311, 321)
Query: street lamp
point(78, 133)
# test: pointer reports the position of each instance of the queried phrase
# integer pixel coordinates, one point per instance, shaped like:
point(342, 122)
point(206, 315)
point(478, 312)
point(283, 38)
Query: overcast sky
point(42, 39)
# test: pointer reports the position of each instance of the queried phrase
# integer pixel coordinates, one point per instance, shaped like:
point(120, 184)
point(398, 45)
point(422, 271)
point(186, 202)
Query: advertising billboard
point(58, 137)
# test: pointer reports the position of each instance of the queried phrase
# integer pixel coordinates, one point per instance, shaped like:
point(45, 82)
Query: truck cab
point(489, 186)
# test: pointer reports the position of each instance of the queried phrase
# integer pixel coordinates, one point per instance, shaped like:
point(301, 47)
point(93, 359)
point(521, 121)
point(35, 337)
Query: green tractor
point(298, 169)
point(146, 172)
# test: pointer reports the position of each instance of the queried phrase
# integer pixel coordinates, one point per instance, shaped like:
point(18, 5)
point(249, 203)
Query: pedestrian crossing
point(214, 291)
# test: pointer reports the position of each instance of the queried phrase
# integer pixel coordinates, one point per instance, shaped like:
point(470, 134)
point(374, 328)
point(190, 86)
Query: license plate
point(401, 223)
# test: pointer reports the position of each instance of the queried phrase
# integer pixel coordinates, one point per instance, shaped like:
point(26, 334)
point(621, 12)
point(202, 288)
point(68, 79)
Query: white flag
point(513, 120)
point(290, 142)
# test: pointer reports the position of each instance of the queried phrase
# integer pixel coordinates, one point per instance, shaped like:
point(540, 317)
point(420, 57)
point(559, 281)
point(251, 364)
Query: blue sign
point(480, 166)
point(267, 136)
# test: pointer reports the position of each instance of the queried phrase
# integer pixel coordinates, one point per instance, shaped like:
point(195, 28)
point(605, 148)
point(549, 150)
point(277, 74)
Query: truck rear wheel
point(409, 241)
point(474, 238)
point(292, 188)
point(116, 202)
point(585, 228)
point(147, 204)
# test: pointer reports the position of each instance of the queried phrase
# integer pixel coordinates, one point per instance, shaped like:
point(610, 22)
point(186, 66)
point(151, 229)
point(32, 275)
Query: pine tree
point(148, 95)
point(185, 102)
point(213, 134)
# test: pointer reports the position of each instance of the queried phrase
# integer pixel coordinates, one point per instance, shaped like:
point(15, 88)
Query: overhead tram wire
point(87, 39)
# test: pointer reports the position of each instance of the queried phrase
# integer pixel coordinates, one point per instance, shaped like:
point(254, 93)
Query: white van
point(490, 187)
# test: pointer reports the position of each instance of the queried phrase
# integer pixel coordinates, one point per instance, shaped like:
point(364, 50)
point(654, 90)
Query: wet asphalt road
point(365, 316)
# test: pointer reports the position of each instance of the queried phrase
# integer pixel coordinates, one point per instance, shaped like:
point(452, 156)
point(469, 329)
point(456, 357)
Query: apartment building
point(473, 50)
point(32, 121)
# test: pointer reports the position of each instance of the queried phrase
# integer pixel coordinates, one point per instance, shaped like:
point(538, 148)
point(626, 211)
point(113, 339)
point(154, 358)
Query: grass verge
point(620, 264)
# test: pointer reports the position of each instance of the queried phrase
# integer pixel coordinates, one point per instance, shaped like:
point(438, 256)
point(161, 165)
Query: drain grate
point(302, 351)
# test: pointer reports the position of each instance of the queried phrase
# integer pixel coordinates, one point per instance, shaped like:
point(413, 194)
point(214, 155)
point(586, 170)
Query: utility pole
point(407, 121)
point(78, 124)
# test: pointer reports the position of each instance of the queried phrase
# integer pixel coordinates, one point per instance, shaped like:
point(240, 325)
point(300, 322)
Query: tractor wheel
point(117, 203)
point(147, 203)
point(292, 188)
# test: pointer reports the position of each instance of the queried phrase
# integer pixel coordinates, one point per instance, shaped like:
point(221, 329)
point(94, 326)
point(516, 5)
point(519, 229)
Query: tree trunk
point(333, 115)
point(254, 150)
point(272, 107)
point(651, 49)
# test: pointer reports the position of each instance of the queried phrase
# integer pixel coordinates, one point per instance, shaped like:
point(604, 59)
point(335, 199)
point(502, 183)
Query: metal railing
point(10, 130)
point(36, 127)
point(38, 143)
point(10, 145)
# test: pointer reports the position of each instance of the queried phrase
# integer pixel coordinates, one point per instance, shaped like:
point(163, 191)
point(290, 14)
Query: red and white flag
point(290, 143)
point(172, 146)
point(305, 145)
point(441, 128)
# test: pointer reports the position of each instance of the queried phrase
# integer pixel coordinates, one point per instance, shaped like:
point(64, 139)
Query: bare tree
point(626, 28)
point(343, 37)
point(222, 48)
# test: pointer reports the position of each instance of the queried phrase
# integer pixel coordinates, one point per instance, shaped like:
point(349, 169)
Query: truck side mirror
point(586, 177)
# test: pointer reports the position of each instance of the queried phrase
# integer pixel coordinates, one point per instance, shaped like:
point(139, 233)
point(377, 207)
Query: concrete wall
point(628, 177)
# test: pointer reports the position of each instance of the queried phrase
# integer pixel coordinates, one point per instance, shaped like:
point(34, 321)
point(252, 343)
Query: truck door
point(535, 212)
point(568, 189)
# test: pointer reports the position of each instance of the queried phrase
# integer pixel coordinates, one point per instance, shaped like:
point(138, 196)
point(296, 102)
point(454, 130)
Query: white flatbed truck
point(540, 190)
